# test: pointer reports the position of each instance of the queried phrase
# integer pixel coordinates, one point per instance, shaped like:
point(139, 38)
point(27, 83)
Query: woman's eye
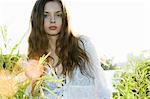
point(45, 15)
point(59, 15)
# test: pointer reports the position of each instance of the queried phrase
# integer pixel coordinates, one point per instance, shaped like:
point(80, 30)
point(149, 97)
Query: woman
point(73, 58)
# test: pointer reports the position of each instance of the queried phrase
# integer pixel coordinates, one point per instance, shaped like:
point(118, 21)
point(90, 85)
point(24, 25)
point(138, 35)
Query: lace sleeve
point(101, 84)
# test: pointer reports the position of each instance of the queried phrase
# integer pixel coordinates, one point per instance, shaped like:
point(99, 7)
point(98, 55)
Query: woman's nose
point(52, 19)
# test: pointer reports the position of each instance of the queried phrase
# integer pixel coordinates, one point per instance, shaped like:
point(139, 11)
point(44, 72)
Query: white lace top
point(82, 87)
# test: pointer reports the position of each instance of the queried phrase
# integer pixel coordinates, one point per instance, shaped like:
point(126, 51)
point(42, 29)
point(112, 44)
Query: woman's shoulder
point(83, 38)
point(86, 41)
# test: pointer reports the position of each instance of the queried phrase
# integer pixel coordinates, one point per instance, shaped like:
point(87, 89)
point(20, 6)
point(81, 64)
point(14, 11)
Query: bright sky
point(116, 27)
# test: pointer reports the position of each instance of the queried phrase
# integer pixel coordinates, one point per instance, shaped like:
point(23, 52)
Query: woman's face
point(52, 18)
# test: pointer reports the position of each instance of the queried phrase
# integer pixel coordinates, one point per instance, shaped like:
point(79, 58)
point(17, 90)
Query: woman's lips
point(53, 27)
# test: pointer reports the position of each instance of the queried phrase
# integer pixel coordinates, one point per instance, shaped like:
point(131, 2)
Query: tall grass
point(134, 80)
point(12, 73)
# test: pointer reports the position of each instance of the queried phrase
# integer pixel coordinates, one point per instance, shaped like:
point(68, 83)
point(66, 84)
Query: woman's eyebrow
point(46, 12)
point(49, 12)
point(58, 11)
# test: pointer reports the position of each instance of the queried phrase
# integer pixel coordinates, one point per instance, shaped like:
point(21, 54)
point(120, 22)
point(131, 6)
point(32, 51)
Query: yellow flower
point(7, 84)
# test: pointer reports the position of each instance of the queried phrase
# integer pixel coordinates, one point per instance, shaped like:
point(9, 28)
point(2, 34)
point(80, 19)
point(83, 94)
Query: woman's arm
point(101, 84)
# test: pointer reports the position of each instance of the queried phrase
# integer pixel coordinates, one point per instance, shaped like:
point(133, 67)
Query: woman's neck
point(52, 42)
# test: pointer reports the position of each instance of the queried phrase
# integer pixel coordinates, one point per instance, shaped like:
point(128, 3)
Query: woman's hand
point(33, 69)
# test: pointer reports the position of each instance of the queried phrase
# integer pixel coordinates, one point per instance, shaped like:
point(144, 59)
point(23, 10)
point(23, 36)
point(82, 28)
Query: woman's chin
point(53, 34)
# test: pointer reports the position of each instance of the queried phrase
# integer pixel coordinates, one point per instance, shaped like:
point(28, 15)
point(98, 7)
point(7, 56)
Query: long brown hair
point(68, 47)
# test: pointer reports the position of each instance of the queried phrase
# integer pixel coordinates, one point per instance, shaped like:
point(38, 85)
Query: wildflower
point(33, 69)
point(8, 86)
